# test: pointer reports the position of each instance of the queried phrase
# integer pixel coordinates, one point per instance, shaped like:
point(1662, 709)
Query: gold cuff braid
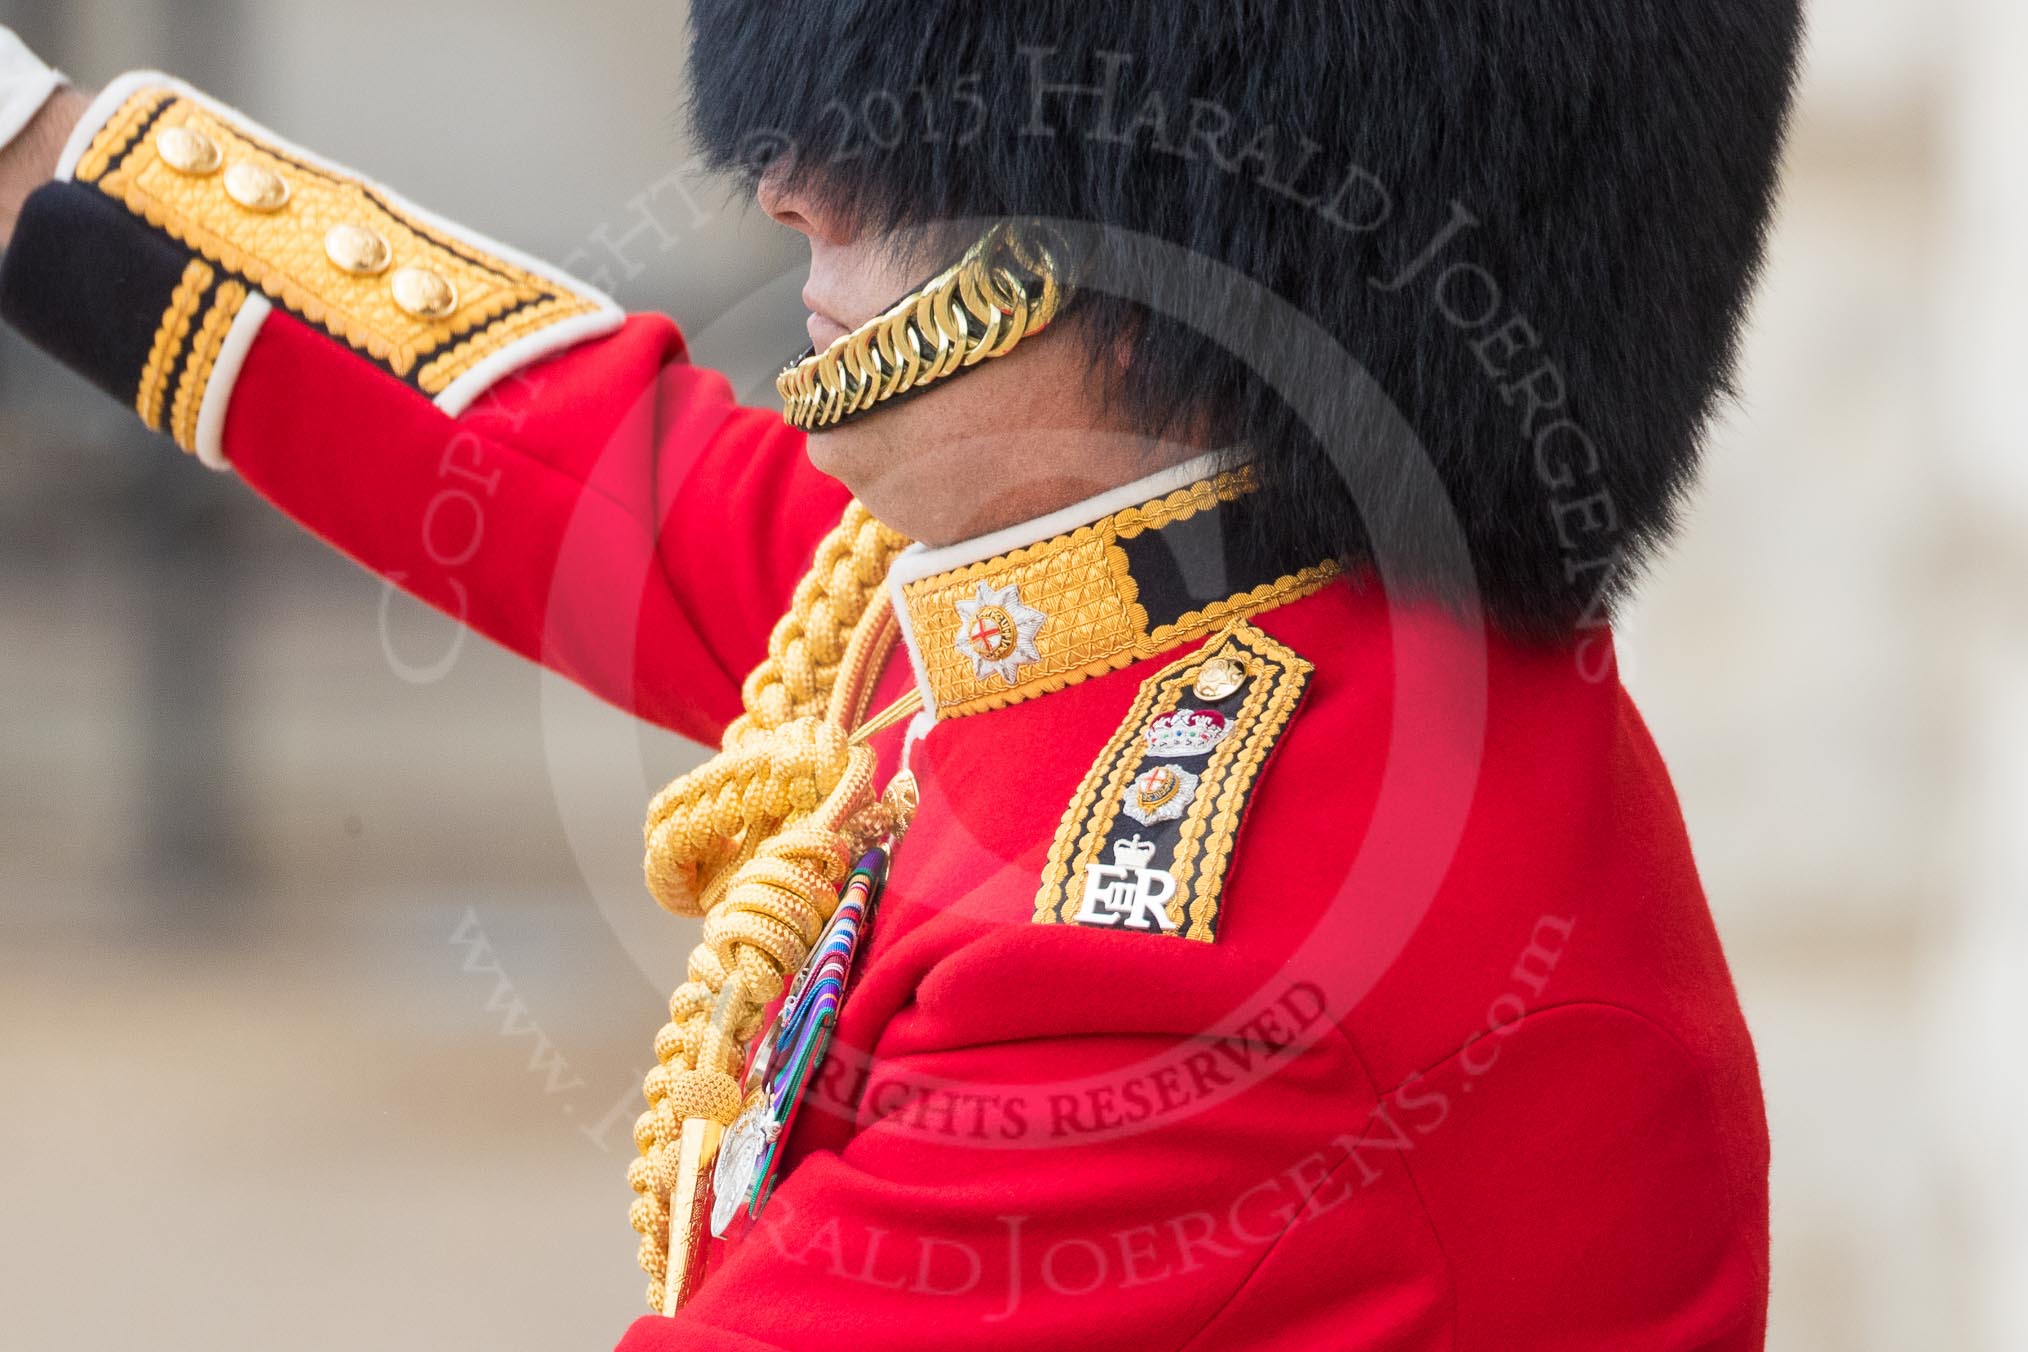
point(1009, 285)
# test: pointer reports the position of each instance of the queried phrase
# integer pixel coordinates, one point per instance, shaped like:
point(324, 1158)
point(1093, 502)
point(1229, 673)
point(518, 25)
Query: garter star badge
point(1146, 843)
point(1160, 795)
point(998, 633)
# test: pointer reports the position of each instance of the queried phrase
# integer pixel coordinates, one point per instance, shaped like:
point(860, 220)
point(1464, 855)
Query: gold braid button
point(1219, 678)
point(188, 152)
point(425, 294)
point(256, 188)
point(357, 250)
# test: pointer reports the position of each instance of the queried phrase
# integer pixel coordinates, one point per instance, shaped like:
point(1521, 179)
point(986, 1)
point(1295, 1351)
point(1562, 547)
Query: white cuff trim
point(239, 340)
point(100, 112)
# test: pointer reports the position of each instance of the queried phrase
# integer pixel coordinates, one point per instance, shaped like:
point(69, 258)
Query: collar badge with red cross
point(998, 633)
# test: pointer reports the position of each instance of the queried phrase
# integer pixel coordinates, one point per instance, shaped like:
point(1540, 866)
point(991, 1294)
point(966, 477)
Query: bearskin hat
point(1532, 227)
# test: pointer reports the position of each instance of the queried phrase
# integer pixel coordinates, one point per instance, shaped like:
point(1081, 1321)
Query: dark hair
point(1600, 173)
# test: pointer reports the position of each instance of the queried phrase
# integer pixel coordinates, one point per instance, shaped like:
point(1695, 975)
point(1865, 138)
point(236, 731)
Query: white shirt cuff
point(25, 85)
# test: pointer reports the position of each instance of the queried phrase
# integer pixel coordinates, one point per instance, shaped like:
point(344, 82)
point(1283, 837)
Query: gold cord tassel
point(758, 841)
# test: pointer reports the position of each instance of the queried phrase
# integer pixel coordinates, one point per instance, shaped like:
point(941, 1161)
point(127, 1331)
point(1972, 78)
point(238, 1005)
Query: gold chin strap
point(757, 841)
point(1009, 285)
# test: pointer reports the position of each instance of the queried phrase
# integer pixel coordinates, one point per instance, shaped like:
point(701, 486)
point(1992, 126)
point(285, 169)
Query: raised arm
point(490, 435)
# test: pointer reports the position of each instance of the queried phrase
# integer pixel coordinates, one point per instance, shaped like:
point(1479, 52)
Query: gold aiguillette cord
point(908, 706)
point(697, 1151)
point(690, 1201)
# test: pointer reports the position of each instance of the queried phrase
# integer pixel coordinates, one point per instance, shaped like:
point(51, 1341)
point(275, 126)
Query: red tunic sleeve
point(610, 512)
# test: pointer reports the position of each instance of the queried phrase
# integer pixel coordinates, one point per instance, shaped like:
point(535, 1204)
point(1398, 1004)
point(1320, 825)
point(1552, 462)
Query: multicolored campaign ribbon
point(749, 1160)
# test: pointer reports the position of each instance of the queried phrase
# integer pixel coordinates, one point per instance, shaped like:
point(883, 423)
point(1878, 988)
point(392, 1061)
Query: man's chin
point(902, 480)
point(846, 453)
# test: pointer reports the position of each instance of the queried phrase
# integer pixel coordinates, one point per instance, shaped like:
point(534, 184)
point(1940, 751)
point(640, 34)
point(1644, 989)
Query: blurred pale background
point(322, 1005)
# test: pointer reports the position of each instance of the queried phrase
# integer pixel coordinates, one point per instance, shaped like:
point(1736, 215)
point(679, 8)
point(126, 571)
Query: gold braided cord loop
point(783, 755)
point(1007, 287)
point(758, 841)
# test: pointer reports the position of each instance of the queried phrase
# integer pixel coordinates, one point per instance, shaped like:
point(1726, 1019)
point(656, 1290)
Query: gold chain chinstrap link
point(1008, 286)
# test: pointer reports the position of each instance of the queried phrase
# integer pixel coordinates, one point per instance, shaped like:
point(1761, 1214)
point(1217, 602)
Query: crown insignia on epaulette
point(1185, 733)
point(1135, 853)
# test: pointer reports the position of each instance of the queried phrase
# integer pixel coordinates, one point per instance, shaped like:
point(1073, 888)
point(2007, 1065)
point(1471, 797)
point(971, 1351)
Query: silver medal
point(739, 1161)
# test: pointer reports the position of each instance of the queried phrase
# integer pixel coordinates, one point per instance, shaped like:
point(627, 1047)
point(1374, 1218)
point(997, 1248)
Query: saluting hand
point(38, 111)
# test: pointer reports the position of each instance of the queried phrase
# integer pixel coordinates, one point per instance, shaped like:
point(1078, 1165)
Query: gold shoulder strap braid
point(757, 841)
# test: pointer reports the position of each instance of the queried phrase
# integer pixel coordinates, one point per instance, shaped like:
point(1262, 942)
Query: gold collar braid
point(758, 841)
point(1008, 286)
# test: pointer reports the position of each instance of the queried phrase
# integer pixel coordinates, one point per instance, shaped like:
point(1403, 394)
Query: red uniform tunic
point(1461, 1066)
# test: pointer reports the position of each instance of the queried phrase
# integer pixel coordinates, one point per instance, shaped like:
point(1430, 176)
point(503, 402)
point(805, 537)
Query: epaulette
point(176, 226)
point(1148, 839)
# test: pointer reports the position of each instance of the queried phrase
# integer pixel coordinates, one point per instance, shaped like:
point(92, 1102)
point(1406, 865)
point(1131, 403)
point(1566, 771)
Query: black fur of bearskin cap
point(1598, 174)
